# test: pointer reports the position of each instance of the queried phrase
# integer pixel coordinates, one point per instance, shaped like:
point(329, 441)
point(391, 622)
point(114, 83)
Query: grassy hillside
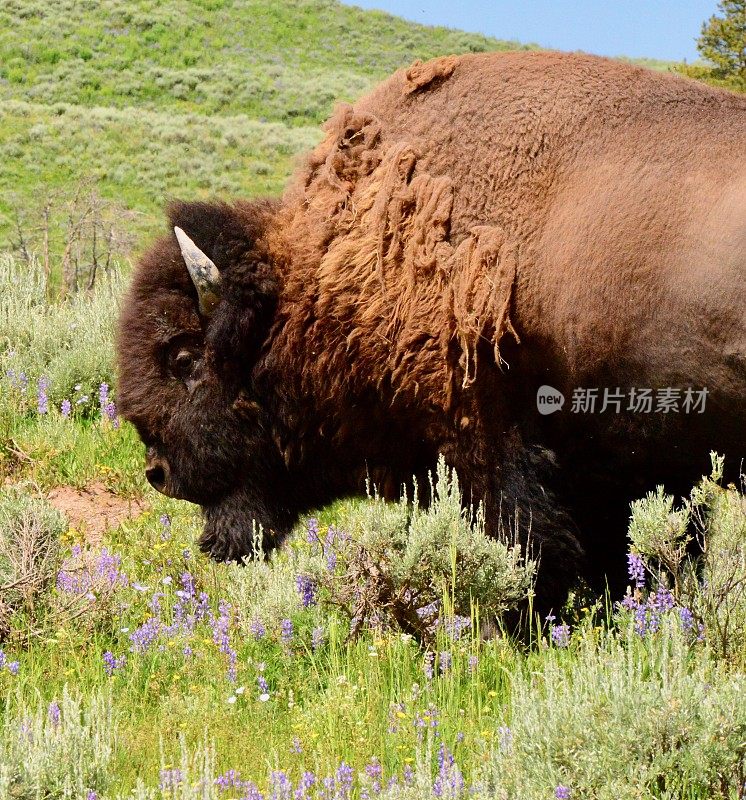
point(194, 97)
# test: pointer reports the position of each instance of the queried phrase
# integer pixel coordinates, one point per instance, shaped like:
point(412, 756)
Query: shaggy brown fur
point(474, 228)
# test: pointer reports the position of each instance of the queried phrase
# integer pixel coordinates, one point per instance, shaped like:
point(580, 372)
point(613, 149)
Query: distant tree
point(723, 40)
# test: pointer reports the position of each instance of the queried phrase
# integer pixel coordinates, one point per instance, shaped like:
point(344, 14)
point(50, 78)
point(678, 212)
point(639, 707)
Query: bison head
point(198, 312)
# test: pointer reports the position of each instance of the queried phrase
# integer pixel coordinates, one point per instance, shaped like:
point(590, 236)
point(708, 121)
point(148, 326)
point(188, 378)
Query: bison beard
point(475, 228)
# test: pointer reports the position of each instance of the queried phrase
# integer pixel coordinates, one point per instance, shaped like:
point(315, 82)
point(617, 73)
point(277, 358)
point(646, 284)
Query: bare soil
point(95, 509)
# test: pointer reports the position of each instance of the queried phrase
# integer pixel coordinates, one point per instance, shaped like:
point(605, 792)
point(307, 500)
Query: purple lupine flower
point(318, 636)
point(306, 589)
point(428, 665)
point(629, 603)
point(144, 636)
point(662, 600)
point(257, 629)
point(687, 619)
point(103, 571)
point(22, 382)
point(165, 521)
point(375, 772)
point(170, 778)
point(66, 408)
point(473, 661)
point(91, 795)
point(306, 782)
point(280, 785)
point(188, 590)
point(251, 792)
point(562, 792)
point(344, 780)
point(2, 659)
point(445, 662)
point(504, 738)
point(560, 635)
point(331, 560)
point(327, 790)
point(230, 780)
point(222, 639)
point(286, 632)
point(263, 686)
point(408, 775)
point(155, 602)
point(202, 609)
point(53, 713)
point(636, 570)
point(449, 781)
point(112, 664)
point(110, 413)
point(42, 401)
point(103, 396)
point(312, 531)
point(296, 747)
point(454, 625)
point(13, 667)
point(428, 611)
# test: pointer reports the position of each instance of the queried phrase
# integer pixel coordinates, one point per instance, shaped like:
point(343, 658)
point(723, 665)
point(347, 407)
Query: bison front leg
point(524, 505)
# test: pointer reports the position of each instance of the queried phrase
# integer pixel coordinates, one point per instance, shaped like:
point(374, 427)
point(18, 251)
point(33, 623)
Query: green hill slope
point(145, 101)
point(137, 101)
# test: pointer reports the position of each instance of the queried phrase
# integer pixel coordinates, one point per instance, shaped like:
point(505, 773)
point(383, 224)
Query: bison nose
point(158, 474)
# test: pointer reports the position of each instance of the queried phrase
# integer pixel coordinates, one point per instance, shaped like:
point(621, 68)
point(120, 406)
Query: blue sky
point(654, 28)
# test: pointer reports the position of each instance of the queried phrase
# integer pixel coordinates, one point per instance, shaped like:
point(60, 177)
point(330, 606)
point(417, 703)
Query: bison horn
point(203, 272)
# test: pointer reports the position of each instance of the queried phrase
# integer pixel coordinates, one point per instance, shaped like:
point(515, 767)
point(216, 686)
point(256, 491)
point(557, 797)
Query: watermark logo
point(589, 400)
point(549, 400)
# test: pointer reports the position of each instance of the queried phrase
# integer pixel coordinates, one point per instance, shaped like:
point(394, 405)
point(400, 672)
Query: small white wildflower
point(240, 690)
point(232, 699)
point(167, 580)
point(124, 630)
point(264, 697)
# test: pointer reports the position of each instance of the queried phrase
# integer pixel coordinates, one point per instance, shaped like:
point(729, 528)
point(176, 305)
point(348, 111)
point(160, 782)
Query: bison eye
point(184, 365)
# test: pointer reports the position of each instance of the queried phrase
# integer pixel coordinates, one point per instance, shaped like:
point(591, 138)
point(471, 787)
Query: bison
point(479, 235)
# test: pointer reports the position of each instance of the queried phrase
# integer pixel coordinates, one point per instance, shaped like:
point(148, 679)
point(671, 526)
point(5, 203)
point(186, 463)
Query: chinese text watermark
point(585, 400)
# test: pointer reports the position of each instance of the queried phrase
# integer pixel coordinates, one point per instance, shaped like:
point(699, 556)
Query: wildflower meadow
point(133, 666)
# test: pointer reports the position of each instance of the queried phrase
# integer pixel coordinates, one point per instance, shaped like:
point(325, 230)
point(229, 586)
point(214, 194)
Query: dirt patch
point(94, 509)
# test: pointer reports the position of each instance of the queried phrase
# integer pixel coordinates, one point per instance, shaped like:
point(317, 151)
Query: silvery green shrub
point(407, 565)
point(711, 585)
point(57, 751)
point(29, 554)
point(619, 717)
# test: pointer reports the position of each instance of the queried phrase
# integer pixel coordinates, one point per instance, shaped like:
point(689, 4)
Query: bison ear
point(215, 228)
point(241, 322)
point(232, 237)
